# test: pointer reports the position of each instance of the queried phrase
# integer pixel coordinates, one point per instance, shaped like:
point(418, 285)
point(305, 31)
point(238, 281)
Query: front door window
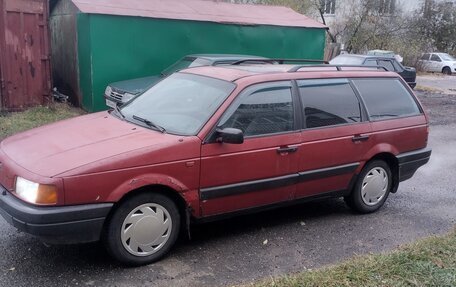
point(267, 111)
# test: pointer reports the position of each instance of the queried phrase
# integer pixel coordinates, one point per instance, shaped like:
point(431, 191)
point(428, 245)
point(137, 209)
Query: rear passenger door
point(335, 138)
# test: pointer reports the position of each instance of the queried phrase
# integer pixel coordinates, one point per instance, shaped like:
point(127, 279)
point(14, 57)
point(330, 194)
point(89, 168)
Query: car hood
point(135, 86)
point(86, 144)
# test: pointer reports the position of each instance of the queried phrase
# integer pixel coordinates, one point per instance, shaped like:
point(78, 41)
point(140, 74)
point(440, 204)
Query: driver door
point(263, 169)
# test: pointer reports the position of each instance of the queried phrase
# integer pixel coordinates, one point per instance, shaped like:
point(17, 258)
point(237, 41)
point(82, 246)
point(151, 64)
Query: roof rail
point(267, 61)
point(338, 67)
point(279, 61)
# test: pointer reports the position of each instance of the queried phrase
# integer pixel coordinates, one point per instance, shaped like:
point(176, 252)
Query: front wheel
point(446, 71)
point(142, 229)
point(372, 187)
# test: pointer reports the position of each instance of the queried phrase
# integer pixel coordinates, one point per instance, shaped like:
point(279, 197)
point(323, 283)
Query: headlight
point(36, 193)
point(126, 97)
point(108, 91)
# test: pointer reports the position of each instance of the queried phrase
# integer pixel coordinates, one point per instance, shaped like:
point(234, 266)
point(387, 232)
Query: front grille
point(116, 96)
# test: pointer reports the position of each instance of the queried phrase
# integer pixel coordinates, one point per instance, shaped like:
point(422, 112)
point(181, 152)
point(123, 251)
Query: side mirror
point(230, 135)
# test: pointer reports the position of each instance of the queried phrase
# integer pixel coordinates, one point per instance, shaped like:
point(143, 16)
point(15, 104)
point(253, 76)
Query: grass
point(428, 262)
point(11, 123)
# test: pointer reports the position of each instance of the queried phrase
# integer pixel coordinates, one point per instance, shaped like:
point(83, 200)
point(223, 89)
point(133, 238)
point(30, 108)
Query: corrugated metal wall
point(114, 48)
point(24, 54)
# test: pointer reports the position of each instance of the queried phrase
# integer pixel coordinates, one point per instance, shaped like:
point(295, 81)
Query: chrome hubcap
point(146, 229)
point(375, 186)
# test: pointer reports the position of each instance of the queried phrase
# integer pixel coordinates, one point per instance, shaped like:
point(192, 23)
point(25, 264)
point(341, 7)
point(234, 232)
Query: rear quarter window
point(386, 98)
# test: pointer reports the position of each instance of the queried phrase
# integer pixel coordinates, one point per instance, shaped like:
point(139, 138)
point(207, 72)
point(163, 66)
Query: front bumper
point(55, 225)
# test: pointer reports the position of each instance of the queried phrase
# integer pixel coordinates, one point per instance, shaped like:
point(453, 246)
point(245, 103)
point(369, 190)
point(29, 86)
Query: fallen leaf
point(265, 242)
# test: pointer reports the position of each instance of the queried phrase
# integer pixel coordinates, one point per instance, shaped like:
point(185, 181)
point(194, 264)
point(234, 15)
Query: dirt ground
point(443, 83)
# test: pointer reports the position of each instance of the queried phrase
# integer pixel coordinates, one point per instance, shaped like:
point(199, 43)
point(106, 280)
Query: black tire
point(446, 71)
point(355, 199)
point(112, 237)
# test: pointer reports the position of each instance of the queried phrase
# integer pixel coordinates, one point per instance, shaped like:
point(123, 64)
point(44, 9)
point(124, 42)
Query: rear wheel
point(142, 229)
point(372, 187)
point(446, 71)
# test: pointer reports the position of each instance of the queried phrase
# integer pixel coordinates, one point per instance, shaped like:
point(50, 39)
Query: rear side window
point(425, 57)
point(329, 102)
point(386, 98)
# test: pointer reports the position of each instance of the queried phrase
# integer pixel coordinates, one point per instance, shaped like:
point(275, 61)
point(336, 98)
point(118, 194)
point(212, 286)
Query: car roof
point(366, 56)
point(274, 72)
point(224, 57)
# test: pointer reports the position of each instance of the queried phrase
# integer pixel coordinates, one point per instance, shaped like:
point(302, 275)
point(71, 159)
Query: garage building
point(96, 42)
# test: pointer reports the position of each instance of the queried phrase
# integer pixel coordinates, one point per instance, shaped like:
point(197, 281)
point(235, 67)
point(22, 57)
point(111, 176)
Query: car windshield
point(344, 60)
point(447, 57)
point(180, 104)
point(184, 63)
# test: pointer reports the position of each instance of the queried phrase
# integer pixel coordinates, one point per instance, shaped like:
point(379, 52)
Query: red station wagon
point(210, 142)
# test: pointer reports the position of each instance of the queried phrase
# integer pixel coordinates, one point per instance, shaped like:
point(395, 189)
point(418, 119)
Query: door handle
point(287, 149)
point(360, 138)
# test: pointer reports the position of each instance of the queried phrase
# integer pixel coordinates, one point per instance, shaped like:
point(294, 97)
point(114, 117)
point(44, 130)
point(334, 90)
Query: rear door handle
point(360, 138)
point(287, 149)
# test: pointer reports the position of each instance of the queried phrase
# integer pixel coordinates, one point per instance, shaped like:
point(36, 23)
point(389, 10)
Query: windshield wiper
point(150, 124)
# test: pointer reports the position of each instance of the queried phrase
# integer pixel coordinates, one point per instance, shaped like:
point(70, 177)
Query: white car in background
point(437, 62)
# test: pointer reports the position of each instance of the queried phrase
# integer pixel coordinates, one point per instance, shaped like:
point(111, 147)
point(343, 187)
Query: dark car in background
point(389, 62)
point(119, 93)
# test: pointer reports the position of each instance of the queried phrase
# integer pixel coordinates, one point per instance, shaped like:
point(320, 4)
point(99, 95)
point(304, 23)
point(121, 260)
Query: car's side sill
point(330, 194)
